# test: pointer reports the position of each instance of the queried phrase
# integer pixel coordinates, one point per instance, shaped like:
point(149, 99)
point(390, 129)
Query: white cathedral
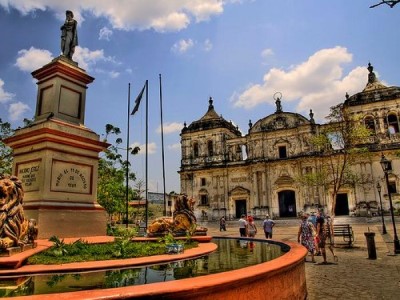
point(229, 174)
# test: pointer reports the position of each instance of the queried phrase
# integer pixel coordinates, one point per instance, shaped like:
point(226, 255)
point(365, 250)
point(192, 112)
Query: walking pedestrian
point(243, 226)
point(305, 236)
point(252, 228)
point(268, 224)
point(313, 220)
point(330, 238)
point(321, 235)
point(222, 224)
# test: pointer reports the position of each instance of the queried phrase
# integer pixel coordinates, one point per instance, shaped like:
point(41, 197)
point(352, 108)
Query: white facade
point(228, 174)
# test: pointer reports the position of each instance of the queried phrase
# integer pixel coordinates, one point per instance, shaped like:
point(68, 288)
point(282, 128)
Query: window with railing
point(393, 124)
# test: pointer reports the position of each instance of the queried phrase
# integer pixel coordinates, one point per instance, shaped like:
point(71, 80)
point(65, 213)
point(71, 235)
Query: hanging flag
point(137, 101)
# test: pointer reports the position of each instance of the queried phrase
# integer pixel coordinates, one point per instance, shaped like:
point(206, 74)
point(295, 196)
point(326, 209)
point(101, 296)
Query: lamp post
point(386, 167)
point(379, 188)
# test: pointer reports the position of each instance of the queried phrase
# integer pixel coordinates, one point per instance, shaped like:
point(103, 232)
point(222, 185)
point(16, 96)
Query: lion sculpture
point(183, 220)
point(15, 229)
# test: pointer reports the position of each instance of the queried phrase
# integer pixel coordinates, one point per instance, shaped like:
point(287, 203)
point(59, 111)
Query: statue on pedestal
point(69, 35)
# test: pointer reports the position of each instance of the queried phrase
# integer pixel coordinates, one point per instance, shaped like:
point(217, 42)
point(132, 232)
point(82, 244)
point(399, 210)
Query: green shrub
point(81, 251)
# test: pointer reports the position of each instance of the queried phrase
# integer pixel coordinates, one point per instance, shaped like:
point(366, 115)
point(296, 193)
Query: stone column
point(264, 189)
point(256, 201)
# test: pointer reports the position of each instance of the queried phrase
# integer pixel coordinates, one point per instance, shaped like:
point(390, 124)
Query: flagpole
point(127, 159)
point(147, 153)
point(162, 149)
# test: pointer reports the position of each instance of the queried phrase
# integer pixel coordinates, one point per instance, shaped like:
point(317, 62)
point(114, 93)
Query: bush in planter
point(172, 246)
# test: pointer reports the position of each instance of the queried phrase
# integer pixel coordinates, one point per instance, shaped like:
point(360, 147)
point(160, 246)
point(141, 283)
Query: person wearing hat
point(268, 224)
point(251, 226)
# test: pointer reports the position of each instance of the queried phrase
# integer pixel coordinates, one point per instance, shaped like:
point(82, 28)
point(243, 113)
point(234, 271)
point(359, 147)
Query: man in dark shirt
point(321, 235)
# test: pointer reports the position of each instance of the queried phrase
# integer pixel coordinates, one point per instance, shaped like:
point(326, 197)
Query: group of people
point(248, 228)
point(315, 231)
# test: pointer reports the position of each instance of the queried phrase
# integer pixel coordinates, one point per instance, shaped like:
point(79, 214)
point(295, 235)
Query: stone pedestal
point(56, 158)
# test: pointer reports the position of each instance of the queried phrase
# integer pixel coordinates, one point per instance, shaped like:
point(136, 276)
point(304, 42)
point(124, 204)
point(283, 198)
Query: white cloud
point(316, 84)
point(16, 110)
point(203, 9)
point(172, 22)
point(171, 15)
point(5, 96)
point(176, 146)
point(86, 58)
point(207, 45)
point(170, 127)
point(105, 34)
point(152, 147)
point(32, 59)
point(182, 46)
point(114, 74)
point(267, 53)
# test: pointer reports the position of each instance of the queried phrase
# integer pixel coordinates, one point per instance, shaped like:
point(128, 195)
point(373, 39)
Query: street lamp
point(379, 188)
point(386, 167)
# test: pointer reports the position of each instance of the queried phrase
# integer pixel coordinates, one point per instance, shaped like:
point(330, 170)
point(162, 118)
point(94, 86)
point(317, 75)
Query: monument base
point(69, 223)
point(15, 250)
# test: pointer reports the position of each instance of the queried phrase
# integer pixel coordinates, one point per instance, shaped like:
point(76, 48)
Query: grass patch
point(81, 251)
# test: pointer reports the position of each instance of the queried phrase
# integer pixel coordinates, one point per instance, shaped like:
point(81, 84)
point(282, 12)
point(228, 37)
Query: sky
point(239, 52)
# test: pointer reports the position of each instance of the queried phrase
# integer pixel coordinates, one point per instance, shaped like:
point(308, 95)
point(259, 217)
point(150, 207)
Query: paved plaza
point(354, 276)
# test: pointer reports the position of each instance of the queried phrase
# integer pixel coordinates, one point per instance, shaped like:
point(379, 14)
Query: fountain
point(199, 273)
point(251, 266)
point(61, 181)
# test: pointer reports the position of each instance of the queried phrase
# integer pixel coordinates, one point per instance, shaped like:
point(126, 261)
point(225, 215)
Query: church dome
point(211, 120)
point(281, 120)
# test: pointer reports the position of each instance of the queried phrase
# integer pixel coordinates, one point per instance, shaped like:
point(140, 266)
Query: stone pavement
point(354, 276)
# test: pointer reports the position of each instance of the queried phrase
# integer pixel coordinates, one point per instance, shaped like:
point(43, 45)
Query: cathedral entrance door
point(342, 205)
point(240, 208)
point(287, 204)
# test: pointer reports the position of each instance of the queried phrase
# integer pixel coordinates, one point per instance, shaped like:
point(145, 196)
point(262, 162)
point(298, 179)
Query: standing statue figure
point(278, 105)
point(69, 35)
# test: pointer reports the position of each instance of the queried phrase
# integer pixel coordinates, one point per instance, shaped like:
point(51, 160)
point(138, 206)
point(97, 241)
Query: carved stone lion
point(13, 224)
point(182, 221)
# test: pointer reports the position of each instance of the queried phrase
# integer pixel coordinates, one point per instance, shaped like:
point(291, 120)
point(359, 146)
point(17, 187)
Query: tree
point(6, 153)
point(6, 157)
point(111, 187)
point(340, 146)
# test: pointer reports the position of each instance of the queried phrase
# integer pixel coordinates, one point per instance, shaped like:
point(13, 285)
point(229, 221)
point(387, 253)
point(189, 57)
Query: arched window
point(195, 149)
point(393, 124)
point(203, 195)
point(370, 124)
point(210, 148)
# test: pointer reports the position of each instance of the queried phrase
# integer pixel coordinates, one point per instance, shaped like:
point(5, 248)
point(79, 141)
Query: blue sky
point(240, 52)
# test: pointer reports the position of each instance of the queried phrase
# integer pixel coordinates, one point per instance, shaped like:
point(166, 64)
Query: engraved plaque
point(70, 177)
point(28, 173)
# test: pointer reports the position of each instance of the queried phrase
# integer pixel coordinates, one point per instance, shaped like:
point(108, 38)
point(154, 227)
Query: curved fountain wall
point(281, 278)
